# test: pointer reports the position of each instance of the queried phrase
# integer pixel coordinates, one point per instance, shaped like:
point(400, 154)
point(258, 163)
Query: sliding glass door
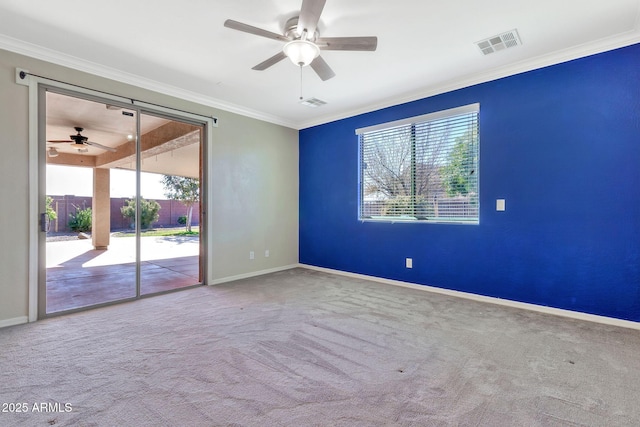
point(120, 210)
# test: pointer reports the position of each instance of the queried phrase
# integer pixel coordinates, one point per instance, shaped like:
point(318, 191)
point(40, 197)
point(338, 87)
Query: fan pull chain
point(300, 82)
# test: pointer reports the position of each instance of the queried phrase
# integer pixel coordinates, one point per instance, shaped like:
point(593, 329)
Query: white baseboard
point(491, 300)
point(15, 321)
point(253, 274)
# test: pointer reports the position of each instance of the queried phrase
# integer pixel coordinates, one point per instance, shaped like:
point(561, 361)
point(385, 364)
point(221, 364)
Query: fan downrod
point(291, 31)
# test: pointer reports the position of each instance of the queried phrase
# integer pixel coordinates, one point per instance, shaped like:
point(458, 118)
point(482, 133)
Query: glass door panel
point(170, 249)
point(87, 262)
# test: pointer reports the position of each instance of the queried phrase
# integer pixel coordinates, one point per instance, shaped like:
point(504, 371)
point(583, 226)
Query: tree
point(148, 211)
point(459, 172)
point(185, 190)
point(387, 165)
point(403, 168)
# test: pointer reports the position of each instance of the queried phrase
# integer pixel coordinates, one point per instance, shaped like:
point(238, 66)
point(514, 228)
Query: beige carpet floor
point(304, 348)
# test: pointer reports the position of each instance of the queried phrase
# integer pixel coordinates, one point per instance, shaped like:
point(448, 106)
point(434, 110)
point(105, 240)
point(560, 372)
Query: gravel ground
point(62, 237)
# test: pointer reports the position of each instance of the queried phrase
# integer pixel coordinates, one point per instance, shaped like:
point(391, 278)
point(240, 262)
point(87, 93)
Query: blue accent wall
point(561, 144)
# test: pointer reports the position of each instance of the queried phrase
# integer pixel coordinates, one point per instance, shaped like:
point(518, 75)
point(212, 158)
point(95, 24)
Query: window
point(421, 169)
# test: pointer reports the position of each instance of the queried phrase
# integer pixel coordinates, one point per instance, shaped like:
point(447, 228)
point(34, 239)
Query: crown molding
point(38, 52)
point(602, 45)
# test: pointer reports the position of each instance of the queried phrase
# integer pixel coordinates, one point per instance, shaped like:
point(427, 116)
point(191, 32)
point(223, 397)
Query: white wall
point(255, 197)
point(254, 184)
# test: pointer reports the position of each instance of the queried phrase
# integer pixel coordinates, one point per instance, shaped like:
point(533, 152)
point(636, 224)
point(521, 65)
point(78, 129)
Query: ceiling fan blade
point(56, 141)
point(271, 61)
point(348, 43)
point(322, 69)
point(104, 147)
point(310, 15)
point(235, 25)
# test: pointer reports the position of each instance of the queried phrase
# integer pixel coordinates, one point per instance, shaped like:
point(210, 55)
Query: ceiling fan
point(79, 141)
point(303, 41)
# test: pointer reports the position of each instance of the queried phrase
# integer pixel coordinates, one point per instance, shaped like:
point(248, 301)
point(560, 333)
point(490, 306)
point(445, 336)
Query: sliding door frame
point(38, 87)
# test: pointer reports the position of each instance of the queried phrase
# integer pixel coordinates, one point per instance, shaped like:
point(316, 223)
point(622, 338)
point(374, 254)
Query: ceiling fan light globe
point(301, 52)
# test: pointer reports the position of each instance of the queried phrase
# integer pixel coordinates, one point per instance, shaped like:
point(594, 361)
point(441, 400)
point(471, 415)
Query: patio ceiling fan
point(79, 141)
point(303, 41)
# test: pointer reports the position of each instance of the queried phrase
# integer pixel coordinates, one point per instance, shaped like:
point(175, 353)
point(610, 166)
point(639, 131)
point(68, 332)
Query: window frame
point(413, 121)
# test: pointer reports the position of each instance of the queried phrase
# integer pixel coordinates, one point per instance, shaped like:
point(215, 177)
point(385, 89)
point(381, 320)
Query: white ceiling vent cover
point(313, 102)
point(499, 42)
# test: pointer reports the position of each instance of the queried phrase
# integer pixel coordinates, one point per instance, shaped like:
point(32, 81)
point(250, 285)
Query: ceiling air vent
point(499, 42)
point(313, 102)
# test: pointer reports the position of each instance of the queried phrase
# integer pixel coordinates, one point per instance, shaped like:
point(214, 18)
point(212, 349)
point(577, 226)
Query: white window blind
point(423, 168)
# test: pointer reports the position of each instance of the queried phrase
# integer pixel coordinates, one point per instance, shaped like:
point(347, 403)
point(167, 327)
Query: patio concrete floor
point(80, 276)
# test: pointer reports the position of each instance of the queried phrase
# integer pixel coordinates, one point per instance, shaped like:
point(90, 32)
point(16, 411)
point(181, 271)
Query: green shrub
point(148, 212)
point(401, 206)
point(80, 220)
point(51, 213)
point(182, 219)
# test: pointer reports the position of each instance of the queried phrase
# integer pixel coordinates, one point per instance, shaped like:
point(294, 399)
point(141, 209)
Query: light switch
point(500, 205)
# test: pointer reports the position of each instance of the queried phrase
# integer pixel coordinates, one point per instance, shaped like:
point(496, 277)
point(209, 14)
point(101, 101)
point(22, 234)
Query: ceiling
point(167, 146)
point(424, 47)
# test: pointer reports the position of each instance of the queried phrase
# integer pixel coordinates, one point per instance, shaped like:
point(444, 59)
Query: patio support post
point(101, 209)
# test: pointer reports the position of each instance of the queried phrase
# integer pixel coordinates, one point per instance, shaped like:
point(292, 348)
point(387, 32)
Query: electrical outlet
point(409, 262)
point(252, 255)
point(500, 205)
point(266, 253)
